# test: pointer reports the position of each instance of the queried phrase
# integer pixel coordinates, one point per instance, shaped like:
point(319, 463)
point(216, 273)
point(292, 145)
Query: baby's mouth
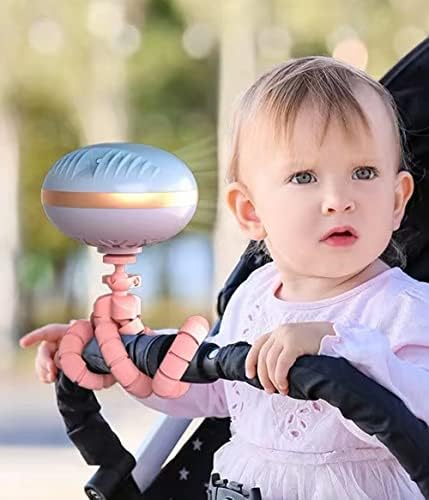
point(341, 234)
point(340, 238)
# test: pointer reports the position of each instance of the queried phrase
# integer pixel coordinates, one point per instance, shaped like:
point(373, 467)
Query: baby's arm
point(370, 352)
point(201, 400)
point(396, 354)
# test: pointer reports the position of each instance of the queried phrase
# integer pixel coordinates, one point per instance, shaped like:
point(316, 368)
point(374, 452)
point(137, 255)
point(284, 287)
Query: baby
point(318, 176)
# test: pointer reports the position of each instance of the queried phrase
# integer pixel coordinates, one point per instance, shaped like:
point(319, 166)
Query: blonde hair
point(329, 86)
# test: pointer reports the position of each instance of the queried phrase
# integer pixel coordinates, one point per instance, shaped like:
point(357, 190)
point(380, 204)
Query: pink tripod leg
point(123, 369)
point(70, 356)
point(166, 382)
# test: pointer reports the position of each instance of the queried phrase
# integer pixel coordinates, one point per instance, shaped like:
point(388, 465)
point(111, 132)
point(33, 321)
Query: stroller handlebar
point(373, 408)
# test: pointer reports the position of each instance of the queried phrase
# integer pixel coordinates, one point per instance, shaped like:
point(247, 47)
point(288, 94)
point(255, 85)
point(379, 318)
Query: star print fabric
point(186, 476)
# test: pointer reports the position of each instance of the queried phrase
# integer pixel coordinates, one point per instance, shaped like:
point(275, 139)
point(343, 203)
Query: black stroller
point(120, 476)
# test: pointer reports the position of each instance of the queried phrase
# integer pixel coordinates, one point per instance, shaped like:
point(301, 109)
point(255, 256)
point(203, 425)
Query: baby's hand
point(273, 354)
point(49, 337)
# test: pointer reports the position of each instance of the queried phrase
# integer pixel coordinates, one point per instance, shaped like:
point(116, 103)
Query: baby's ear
point(241, 205)
point(404, 189)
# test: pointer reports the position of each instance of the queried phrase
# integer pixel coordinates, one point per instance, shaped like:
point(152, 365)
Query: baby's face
point(304, 188)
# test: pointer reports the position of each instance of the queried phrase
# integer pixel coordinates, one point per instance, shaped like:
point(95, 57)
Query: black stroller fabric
point(407, 82)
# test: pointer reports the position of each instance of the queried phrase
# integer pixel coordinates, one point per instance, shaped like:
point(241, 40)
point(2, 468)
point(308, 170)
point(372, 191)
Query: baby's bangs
point(330, 97)
point(324, 85)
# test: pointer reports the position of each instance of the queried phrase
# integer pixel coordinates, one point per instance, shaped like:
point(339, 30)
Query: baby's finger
point(51, 373)
point(57, 361)
point(42, 373)
point(253, 354)
point(52, 369)
point(44, 363)
point(284, 364)
point(271, 362)
point(262, 369)
point(50, 333)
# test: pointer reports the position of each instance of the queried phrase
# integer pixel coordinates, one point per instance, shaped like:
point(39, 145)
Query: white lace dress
point(306, 450)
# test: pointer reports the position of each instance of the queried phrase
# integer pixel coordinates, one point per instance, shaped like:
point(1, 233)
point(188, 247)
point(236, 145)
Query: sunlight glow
point(352, 51)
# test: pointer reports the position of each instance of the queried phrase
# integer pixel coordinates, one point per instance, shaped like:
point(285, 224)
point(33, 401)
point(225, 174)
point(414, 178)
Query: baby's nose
point(337, 205)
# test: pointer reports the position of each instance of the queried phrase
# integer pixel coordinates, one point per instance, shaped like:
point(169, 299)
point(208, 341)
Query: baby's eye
point(302, 177)
point(365, 173)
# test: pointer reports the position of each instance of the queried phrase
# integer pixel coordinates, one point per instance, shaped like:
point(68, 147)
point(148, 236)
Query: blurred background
point(160, 72)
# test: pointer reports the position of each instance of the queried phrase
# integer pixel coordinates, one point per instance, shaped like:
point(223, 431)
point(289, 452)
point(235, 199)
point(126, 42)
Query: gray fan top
point(120, 168)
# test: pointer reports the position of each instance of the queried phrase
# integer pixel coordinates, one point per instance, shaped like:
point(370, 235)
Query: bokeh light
point(352, 51)
point(128, 41)
point(106, 18)
point(198, 40)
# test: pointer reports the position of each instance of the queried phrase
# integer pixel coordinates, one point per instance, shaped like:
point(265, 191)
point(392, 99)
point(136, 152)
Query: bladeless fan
point(119, 198)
